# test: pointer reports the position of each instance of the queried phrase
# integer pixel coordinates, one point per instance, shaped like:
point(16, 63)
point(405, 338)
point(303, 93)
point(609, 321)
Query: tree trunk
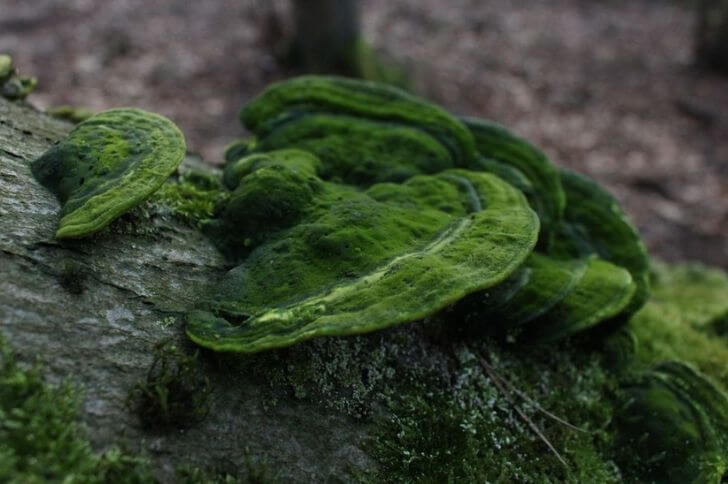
point(711, 45)
point(136, 279)
point(327, 33)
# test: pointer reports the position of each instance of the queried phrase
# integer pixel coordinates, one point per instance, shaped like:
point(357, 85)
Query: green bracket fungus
point(286, 100)
point(601, 292)
point(673, 427)
point(501, 146)
point(595, 224)
point(17, 88)
point(347, 182)
point(108, 164)
point(556, 298)
point(359, 151)
point(13, 86)
point(357, 261)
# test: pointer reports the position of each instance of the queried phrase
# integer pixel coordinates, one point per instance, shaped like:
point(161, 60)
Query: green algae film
point(355, 262)
point(499, 145)
point(108, 164)
point(594, 223)
point(359, 151)
point(673, 427)
point(601, 292)
point(363, 99)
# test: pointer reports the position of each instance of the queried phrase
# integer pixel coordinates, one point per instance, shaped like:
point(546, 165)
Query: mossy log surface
point(92, 312)
point(436, 400)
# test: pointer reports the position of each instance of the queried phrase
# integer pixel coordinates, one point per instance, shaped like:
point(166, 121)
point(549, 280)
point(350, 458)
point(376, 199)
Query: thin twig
point(498, 383)
point(535, 404)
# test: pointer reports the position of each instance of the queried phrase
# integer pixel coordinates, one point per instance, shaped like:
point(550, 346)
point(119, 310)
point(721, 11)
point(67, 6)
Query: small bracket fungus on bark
point(676, 422)
point(108, 164)
point(13, 86)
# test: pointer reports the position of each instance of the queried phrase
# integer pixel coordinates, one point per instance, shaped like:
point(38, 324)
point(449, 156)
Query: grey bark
point(326, 35)
point(711, 35)
point(102, 339)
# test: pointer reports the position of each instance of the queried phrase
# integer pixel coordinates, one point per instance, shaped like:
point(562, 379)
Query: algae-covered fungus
point(590, 266)
point(499, 148)
point(343, 261)
point(673, 427)
point(325, 250)
point(108, 164)
point(362, 128)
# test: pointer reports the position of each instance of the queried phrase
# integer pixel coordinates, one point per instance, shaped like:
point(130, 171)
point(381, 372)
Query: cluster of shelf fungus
point(355, 207)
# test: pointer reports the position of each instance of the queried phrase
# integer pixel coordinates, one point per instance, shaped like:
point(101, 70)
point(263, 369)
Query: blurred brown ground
point(604, 87)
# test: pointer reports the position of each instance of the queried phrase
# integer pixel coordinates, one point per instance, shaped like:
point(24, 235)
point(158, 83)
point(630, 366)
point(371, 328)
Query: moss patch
point(41, 438)
point(192, 197)
point(175, 392)
point(679, 322)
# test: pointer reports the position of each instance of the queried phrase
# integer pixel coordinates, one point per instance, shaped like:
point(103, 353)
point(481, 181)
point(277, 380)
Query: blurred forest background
point(610, 88)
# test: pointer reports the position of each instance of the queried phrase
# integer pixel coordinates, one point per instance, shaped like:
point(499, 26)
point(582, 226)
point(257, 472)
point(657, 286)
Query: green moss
point(175, 391)
point(192, 197)
point(256, 472)
point(6, 67)
point(73, 276)
point(108, 164)
point(17, 88)
point(74, 114)
point(41, 438)
point(677, 322)
point(720, 325)
point(468, 431)
point(436, 416)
